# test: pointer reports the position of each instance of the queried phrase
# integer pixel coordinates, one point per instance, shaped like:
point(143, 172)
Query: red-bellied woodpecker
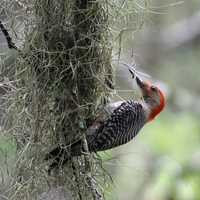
point(119, 124)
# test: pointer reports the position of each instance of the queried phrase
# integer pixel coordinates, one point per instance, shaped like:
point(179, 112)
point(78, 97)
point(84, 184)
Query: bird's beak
point(144, 87)
point(140, 83)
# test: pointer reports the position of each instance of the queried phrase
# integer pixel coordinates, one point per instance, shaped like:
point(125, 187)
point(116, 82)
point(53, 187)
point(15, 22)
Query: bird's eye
point(153, 88)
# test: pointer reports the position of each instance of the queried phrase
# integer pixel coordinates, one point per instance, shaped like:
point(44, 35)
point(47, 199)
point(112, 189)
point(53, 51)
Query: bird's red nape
point(159, 108)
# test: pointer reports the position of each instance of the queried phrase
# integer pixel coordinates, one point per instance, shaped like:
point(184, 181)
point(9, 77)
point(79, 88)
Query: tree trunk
point(64, 74)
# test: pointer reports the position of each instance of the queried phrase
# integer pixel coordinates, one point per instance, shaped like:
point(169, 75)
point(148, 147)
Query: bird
point(118, 123)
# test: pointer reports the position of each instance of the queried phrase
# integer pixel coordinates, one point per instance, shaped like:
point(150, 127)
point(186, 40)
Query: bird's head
point(153, 97)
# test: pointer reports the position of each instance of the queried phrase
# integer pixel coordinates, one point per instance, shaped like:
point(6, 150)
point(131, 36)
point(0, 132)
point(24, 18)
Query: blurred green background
point(163, 161)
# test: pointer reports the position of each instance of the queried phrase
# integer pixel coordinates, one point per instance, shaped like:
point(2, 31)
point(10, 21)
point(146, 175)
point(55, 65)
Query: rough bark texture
point(64, 75)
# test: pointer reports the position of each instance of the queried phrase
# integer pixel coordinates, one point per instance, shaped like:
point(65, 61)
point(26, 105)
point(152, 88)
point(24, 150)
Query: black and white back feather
point(121, 127)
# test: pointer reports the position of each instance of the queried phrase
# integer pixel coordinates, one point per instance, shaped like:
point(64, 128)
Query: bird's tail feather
point(61, 155)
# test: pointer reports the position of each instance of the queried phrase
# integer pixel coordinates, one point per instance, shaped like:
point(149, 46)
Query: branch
point(11, 44)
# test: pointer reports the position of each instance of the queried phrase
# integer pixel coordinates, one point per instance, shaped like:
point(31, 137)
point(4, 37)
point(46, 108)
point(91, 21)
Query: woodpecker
point(120, 123)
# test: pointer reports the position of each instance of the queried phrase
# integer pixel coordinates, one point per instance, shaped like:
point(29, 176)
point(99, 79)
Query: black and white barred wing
point(103, 115)
point(123, 124)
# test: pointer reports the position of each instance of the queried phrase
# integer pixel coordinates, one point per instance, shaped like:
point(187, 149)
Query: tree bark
point(64, 74)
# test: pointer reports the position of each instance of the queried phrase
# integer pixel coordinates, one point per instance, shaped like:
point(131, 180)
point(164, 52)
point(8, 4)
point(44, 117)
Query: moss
point(63, 75)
